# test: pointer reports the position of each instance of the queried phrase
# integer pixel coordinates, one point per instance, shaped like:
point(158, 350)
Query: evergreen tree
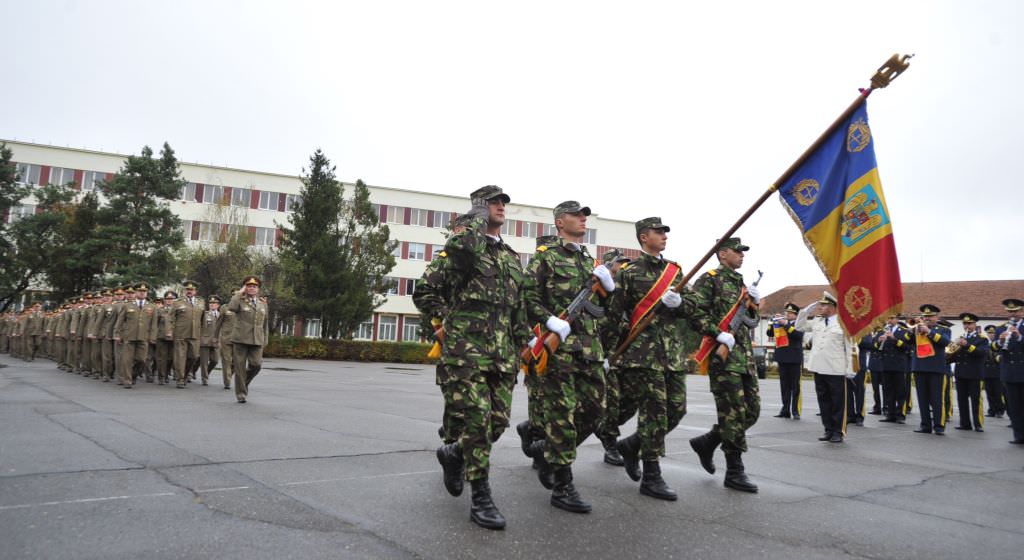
point(336, 253)
point(137, 223)
point(80, 257)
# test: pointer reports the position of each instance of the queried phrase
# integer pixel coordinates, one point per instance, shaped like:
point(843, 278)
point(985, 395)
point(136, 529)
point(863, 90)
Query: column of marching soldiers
point(122, 335)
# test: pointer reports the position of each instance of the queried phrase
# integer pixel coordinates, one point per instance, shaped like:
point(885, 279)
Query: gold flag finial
point(892, 68)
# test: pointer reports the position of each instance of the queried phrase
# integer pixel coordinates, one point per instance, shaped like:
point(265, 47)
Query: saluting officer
point(928, 364)
point(249, 335)
point(1010, 345)
point(970, 370)
point(894, 345)
point(832, 364)
point(789, 355)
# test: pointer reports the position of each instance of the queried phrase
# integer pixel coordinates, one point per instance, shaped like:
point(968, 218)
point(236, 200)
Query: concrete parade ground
point(336, 460)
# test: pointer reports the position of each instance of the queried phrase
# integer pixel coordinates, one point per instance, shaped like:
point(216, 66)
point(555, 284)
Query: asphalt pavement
point(336, 460)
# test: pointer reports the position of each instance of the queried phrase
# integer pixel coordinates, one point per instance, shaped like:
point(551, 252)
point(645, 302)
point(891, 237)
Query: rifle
point(740, 318)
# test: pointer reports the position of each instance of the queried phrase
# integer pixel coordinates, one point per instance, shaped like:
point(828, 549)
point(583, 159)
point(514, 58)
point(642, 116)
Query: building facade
point(216, 200)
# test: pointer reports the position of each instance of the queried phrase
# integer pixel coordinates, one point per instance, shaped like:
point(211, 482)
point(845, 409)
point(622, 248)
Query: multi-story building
point(217, 199)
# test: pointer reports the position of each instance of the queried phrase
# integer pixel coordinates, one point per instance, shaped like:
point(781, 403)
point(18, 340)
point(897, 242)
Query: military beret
point(490, 192)
point(251, 280)
point(1013, 304)
point(929, 310)
point(650, 223)
point(969, 317)
point(792, 307)
point(570, 207)
point(733, 243)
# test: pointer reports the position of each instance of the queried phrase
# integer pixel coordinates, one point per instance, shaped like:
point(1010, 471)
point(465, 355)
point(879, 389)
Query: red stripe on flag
point(869, 287)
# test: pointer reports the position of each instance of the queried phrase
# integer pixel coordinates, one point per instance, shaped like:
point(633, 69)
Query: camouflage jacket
point(485, 325)
point(666, 343)
point(714, 293)
point(556, 273)
point(432, 296)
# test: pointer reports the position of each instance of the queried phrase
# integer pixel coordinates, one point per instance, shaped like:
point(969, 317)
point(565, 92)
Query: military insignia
point(442, 254)
point(863, 213)
point(857, 301)
point(542, 248)
point(805, 192)
point(858, 136)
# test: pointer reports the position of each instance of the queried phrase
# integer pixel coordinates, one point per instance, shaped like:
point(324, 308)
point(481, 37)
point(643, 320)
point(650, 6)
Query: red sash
point(707, 344)
point(653, 295)
point(538, 347)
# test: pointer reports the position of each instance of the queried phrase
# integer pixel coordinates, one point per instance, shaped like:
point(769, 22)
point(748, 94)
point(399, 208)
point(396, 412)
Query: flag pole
point(886, 73)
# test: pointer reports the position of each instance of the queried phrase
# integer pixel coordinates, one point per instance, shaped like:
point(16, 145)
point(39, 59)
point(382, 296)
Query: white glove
point(754, 294)
point(850, 375)
point(727, 339)
point(532, 343)
point(605, 276)
point(671, 299)
point(559, 327)
point(606, 365)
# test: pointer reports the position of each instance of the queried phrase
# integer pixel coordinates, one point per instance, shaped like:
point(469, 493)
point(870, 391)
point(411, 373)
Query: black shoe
point(875, 412)
point(483, 512)
point(901, 420)
point(979, 429)
point(653, 485)
point(181, 385)
point(629, 449)
point(1017, 441)
point(836, 438)
point(887, 419)
point(450, 457)
point(704, 445)
point(940, 431)
point(564, 495)
point(545, 474)
point(735, 473)
point(859, 422)
point(782, 415)
point(241, 400)
point(440, 430)
point(826, 437)
point(962, 428)
point(990, 414)
point(923, 431)
point(796, 416)
point(525, 438)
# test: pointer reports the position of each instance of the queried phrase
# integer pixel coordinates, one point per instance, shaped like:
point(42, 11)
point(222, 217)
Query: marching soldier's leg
point(97, 358)
point(241, 390)
point(107, 358)
point(738, 403)
point(227, 363)
point(204, 363)
point(181, 361)
point(608, 431)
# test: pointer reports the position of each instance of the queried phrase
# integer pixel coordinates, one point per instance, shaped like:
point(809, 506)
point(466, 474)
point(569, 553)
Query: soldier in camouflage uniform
point(733, 381)
point(433, 297)
point(608, 430)
point(572, 388)
point(651, 375)
point(485, 328)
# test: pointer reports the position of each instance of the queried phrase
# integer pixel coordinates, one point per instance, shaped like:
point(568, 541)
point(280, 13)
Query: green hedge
point(347, 350)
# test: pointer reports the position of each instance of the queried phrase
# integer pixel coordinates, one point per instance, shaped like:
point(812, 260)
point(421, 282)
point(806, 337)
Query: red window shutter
point(401, 286)
point(199, 192)
point(401, 323)
point(195, 231)
point(44, 174)
point(430, 219)
point(383, 213)
point(254, 199)
point(428, 253)
point(408, 216)
point(281, 199)
point(39, 209)
point(376, 321)
point(227, 195)
point(297, 327)
point(107, 178)
point(223, 233)
point(405, 249)
point(252, 235)
point(277, 237)
point(79, 175)
point(519, 228)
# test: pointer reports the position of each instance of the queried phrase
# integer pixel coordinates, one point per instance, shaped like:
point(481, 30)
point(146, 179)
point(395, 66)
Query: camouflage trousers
point(659, 398)
point(482, 402)
point(739, 405)
point(571, 404)
point(451, 423)
point(615, 414)
point(534, 405)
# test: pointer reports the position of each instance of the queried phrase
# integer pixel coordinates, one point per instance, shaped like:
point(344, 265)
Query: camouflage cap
point(733, 243)
point(490, 192)
point(570, 207)
point(651, 223)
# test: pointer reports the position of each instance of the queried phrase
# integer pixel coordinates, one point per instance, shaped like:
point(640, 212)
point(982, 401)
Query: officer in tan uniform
point(33, 331)
point(249, 335)
point(165, 337)
point(93, 333)
point(208, 351)
point(188, 316)
point(222, 334)
point(136, 328)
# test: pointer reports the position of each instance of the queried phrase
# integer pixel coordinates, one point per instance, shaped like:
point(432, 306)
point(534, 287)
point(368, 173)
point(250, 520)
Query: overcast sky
point(684, 110)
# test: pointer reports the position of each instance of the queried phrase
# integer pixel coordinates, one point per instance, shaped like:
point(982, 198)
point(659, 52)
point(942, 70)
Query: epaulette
point(713, 272)
point(542, 248)
point(626, 266)
point(442, 254)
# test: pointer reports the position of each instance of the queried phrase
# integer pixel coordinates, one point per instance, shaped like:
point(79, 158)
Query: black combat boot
point(564, 496)
point(629, 449)
point(525, 437)
point(450, 457)
point(611, 454)
point(735, 474)
point(483, 512)
point(653, 485)
point(545, 474)
point(704, 446)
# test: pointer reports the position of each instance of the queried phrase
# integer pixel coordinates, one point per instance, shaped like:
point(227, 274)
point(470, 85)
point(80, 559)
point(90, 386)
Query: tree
point(336, 253)
point(80, 256)
point(137, 223)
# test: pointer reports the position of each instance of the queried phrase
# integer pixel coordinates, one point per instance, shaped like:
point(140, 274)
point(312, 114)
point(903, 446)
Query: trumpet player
point(1010, 343)
point(928, 364)
point(789, 354)
point(969, 352)
point(894, 345)
point(993, 387)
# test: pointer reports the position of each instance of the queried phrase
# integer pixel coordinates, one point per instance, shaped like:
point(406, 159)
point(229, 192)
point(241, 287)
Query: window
point(240, 197)
point(92, 180)
point(312, 328)
point(20, 211)
point(417, 217)
point(286, 327)
point(411, 329)
point(186, 229)
point(508, 228)
point(524, 259)
point(410, 286)
point(435, 250)
point(397, 251)
point(390, 285)
point(265, 236)
point(396, 215)
point(590, 237)
point(28, 173)
point(387, 327)
point(548, 229)
point(188, 192)
point(61, 175)
point(213, 194)
point(209, 231)
point(529, 229)
point(441, 219)
point(292, 202)
point(365, 330)
point(417, 251)
point(268, 200)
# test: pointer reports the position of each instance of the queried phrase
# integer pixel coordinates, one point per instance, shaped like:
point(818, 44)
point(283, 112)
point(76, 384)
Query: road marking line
point(303, 482)
point(207, 491)
point(87, 500)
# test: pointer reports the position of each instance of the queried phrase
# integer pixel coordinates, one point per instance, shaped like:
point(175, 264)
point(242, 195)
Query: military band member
point(732, 378)
point(187, 323)
point(993, 386)
point(928, 364)
point(249, 335)
point(969, 359)
point(485, 328)
point(875, 372)
point(136, 328)
point(572, 388)
point(789, 355)
point(832, 364)
point(1010, 344)
point(894, 345)
point(208, 345)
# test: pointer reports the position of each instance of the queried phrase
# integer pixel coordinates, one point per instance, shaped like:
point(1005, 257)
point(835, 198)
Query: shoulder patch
point(713, 272)
point(626, 266)
point(442, 254)
point(542, 248)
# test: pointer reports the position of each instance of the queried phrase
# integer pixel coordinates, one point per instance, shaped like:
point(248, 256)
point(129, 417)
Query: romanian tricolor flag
point(836, 199)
